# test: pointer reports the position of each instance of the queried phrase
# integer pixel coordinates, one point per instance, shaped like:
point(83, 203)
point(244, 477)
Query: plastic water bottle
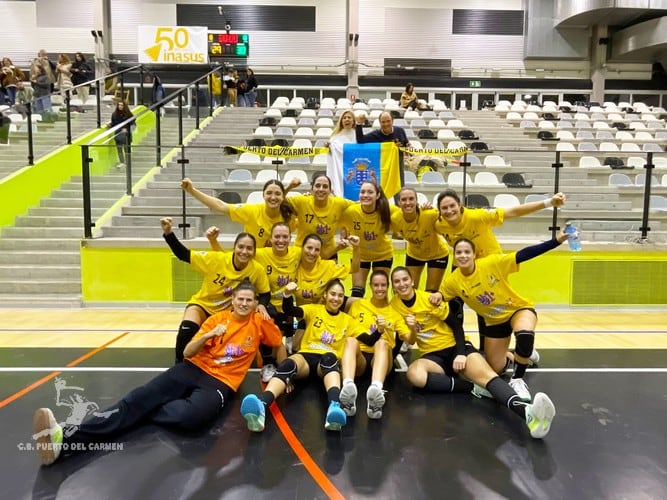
point(572, 237)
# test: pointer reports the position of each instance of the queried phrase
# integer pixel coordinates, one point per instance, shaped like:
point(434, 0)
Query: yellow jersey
point(365, 314)
point(375, 243)
point(256, 221)
point(311, 283)
point(280, 270)
point(433, 334)
point(220, 279)
point(475, 225)
point(323, 221)
point(487, 290)
point(325, 332)
point(423, 242)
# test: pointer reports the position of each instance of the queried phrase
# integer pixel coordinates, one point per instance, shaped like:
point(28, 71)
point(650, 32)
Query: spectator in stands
point(327, 327)
point(64, 72)
point(251, 88)
point(49, 66)
point(370, 220)
point(387, 133)
point(41, 85)
point(257, 219)
point(409, 99)
point(240, 92)
point(24, 95)
point(10, 77)
point(215, 87)
point(343, 133)
point(450, 364)
point(188, 395)
point(222, 272)
point(81, 73)
point(123, 136)
point(483, 285)
point(230, 83)
point(424, 246)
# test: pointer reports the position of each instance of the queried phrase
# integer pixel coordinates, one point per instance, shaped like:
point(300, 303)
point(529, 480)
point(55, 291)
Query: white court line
point(157, 369)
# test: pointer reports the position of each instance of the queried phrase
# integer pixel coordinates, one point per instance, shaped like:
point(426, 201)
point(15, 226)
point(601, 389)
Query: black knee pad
point(358, 291)
point(329, 363)
point(286, 370)
point(525, 340)
point(186, 331)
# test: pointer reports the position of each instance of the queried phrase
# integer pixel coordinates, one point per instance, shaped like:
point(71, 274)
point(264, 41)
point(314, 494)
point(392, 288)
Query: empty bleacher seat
point(249, 159)
point(266, 175)
point(640, 180)
point(295, 174)
point(486, 179)
point(263, 132)
point(431, 177)
point(230, 197)
point(505, 200)
point(620, 180)
point(515, 180)
point(456, 178)
point(255, 197)
point(240, 175)
point(476, 201)
point(589, 161)
point(494, 161)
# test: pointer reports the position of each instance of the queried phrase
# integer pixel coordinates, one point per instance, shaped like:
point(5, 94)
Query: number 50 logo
point(172, 44)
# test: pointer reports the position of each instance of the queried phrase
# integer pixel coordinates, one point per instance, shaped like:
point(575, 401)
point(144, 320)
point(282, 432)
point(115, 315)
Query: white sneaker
point(539, 415)
point(48, 434)
point(375, 398)
point(267, 372)
point(480, 392)
point(521, 388)
point(348, 399)
point(534, 358)
point(289, 345)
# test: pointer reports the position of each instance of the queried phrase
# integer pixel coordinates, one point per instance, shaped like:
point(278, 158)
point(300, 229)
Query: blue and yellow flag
point(376, 161)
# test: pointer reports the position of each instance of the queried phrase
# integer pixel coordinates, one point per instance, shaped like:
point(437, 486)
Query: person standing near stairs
point(123, 136)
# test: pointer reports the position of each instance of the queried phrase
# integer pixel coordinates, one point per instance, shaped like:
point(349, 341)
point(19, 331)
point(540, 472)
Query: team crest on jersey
point(493, 281)
point(327, 337)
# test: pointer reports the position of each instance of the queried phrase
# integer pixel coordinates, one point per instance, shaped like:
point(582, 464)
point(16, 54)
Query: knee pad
point(357, 291)
point(525, 340)
point(286, 370)
point(329, 363)
point(186, 331)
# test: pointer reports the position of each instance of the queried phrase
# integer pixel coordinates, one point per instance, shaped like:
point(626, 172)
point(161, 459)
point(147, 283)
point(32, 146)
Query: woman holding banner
point(343, 133)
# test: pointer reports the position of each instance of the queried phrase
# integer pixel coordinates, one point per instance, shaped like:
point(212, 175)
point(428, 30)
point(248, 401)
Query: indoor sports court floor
point(605, 371)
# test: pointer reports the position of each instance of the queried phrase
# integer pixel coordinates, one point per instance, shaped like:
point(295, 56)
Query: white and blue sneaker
point(253, 410)
point(336, 417)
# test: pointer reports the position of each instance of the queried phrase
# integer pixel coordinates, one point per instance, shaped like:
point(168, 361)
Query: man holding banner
point(387, 133)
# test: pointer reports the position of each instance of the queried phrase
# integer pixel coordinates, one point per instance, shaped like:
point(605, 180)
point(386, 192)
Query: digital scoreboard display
point(228, 45)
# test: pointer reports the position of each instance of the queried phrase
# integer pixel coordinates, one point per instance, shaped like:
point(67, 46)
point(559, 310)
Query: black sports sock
point(503, 393)
point(439, 382)
point(186, 331)
point(519, 369)
point(267, 397)
point(333, 394)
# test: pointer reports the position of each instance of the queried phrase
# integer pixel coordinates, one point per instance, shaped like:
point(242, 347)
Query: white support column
point(598, 62)
point(352, 47)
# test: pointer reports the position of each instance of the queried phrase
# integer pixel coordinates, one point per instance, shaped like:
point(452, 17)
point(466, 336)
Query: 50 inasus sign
point(173, 44)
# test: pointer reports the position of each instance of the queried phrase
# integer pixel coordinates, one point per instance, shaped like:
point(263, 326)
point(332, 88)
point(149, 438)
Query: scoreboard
point(228, 44)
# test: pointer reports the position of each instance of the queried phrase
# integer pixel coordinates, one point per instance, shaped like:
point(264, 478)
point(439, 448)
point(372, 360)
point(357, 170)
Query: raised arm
point(179, 250)
point(195, 345)
point(533, 251)
point(210, 201)
point(289, 307)
point(556, 200)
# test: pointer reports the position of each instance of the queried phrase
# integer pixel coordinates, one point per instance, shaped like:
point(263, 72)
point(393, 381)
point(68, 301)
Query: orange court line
point(48, 377)
point(313, 469)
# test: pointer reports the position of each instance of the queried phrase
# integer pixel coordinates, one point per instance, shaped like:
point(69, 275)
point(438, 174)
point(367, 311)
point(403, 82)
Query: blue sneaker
point(335, 417)
point(253, 410)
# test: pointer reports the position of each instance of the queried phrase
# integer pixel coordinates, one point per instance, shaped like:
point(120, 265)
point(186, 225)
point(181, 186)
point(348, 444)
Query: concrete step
point(20, 272)
point(62, 212)
point(40, 286)
point(40, 300)
point(49, 221)
point(39, 257)
point(44, 244)
point(143, 232)
point(42, 232)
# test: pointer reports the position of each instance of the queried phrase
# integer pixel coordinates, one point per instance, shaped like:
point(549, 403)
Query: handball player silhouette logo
point(79, 407)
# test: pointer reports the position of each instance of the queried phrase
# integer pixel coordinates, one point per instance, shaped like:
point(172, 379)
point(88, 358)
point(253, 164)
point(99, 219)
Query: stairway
point(40, 254)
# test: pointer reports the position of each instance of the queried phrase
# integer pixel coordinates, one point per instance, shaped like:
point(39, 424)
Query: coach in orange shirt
point(186, 396)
